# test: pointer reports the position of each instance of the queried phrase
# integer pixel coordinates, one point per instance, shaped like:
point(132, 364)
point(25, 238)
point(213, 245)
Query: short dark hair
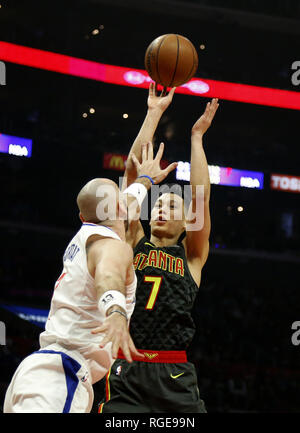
point(175, 188)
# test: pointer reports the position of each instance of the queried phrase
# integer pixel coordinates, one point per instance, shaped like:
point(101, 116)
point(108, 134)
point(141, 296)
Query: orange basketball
point(171, 60)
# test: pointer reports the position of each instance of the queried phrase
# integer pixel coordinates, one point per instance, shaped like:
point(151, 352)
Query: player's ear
point(81, 217)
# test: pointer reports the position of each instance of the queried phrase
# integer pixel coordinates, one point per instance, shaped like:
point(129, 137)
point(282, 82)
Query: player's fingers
point(134, 350)
point(154, 89)
point(164, 92)
point(108, 338)
point(135, 161)
point(101, 328)
point(214, 103)
point(151, 89)
point(213, 108)
point(126, 351)
point(144, 152)
point(115, 348)
point(170, 168)
point(172, 91)
point(160, 152)
point(150, 150)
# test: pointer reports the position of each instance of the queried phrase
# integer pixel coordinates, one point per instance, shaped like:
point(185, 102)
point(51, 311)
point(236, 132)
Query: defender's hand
point(150, 166)
point(162, 101)
point(116, 331)
point(204, 122)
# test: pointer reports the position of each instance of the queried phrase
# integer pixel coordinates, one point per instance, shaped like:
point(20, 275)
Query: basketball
point(171, 60)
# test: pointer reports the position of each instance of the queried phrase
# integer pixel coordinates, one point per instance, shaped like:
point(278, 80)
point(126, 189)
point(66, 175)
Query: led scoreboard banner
point(218, 175)
point(36, 316)
point(284, 182)
point(17, 146)
point(74, 66)
point(224, 176)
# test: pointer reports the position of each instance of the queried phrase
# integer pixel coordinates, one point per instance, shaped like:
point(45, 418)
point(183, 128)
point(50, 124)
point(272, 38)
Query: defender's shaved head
point(95, 193)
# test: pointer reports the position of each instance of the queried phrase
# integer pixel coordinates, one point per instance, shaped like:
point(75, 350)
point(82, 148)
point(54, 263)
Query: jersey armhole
point(182, 243)
point(140, 242)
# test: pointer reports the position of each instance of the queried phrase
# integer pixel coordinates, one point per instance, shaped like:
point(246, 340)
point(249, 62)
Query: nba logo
point(85, 377)
point(118, 371)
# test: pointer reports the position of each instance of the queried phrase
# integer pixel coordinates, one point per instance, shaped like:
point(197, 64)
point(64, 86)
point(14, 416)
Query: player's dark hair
point(175, 188)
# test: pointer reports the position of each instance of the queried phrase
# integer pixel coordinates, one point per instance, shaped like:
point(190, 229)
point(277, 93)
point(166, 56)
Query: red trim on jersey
point(163, 356)
point(107, 386)
point(59, 280)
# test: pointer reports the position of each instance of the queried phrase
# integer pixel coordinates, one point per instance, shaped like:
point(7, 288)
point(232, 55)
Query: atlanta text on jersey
point(159, 259)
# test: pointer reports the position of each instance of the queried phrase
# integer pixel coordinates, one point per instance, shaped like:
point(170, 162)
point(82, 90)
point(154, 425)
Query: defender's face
point(167, 216)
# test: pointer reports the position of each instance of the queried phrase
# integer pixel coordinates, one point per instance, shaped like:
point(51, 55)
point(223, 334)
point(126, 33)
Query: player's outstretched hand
point(151, 166)
point(204, 122)
point(159, 102)
point(115, 330)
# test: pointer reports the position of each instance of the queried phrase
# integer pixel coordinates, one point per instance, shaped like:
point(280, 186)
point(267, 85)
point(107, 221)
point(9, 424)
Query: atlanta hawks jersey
point(74, 308)
point(165, 296)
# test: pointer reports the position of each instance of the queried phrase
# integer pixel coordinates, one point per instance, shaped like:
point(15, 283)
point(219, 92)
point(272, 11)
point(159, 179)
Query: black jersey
point(165, 295)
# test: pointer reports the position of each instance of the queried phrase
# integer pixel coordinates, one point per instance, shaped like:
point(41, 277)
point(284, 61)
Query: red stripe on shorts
point(164, 356)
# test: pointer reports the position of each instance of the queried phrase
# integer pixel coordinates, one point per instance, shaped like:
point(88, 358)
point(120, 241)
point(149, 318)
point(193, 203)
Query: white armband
point(110, 298)
point(138, 190)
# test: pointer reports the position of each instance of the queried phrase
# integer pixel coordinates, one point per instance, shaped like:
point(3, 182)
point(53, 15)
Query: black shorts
point(152, 386)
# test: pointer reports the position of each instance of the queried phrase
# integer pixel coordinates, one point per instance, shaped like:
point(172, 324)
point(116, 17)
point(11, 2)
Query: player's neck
point(117, 226)
point(163, 241)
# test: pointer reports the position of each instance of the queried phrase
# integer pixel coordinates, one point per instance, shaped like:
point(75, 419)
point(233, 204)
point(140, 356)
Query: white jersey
point(74, 311)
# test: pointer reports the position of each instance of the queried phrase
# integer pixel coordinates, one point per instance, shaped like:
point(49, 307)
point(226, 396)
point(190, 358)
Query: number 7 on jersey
point(156, 283)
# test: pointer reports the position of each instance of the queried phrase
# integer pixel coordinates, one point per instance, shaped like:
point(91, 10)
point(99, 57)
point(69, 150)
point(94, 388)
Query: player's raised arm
point(157, 105)
point(197, 239)
point(109, 262)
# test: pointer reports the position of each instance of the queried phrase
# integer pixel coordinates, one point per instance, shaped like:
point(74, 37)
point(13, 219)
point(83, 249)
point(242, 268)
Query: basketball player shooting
point(92, 303)
point(168, 268)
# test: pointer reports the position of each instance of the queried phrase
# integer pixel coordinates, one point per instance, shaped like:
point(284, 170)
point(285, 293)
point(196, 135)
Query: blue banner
point(36, 316)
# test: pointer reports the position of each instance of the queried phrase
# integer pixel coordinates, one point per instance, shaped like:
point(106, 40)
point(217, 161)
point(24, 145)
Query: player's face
point(167, 216)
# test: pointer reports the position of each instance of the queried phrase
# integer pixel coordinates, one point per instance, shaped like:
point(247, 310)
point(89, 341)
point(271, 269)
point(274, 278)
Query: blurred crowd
point(243, 351)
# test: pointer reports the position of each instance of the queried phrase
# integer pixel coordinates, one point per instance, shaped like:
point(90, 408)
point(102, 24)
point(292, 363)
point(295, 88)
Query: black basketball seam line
point(190, 73)
point(148, 59)
point(170, 85)
point(157, 58)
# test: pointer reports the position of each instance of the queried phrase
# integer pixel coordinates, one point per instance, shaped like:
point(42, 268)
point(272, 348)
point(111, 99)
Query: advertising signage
point(63, 64)
point(225, 176)
point(283, 182)
point(16, 146)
